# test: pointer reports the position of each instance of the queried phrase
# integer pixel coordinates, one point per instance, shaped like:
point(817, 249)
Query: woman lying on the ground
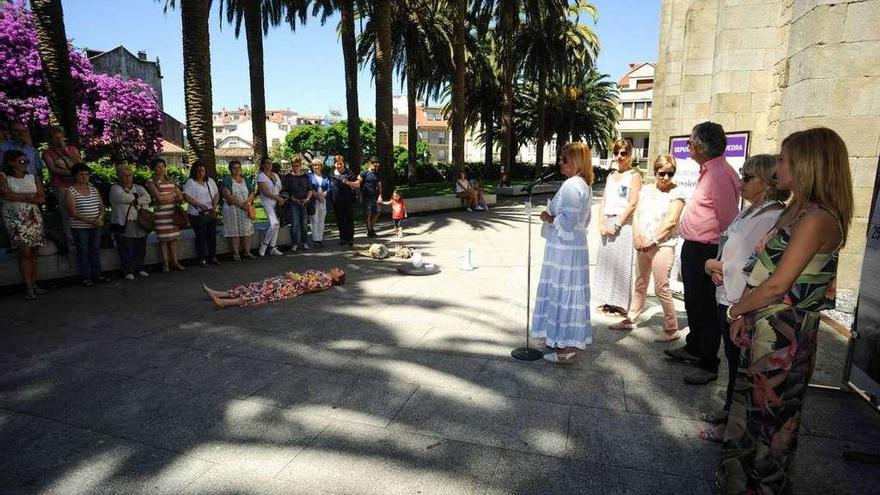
point(273, 289)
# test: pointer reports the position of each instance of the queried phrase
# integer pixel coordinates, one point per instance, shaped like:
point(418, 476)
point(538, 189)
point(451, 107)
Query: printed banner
point(688, 171)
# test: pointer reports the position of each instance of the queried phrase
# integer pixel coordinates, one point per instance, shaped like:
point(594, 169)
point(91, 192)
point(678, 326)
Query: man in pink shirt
point(712, 208)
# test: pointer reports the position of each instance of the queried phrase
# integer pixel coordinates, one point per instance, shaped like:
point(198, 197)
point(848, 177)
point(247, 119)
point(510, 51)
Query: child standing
point(398, 212)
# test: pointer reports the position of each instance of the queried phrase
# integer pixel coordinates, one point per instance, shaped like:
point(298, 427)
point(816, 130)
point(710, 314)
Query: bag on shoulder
point(180, 220)
point(145, 219)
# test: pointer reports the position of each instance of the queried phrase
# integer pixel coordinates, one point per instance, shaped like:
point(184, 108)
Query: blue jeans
point(298, 220)
point(88, 251)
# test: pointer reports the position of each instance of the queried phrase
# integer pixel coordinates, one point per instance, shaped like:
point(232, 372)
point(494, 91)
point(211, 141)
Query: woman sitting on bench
point(470, 196)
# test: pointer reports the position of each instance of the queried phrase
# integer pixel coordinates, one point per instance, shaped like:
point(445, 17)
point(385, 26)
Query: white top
point(654, 205)
point(22, 185)
point(274, 184)
point(120, 201)
point(738, 244)
point(203, 193)
point(617, 191)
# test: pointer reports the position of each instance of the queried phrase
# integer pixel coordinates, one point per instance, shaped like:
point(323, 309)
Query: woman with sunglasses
point(22, 196)
point(614, 263)
point(792, 277)
point(737, 244)
point(655, 233)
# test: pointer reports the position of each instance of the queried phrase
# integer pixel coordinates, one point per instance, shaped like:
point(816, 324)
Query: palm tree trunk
point(458, 84)
point(542, 127)
point(253, 30)
point(384, 89)
point(55, 57)
point(489, 139)
point(197, 81)
point(412, 136)
point(349, 54)
point(508, 24)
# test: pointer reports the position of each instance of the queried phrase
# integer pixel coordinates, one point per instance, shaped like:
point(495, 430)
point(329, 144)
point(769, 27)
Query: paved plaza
point(390, 384)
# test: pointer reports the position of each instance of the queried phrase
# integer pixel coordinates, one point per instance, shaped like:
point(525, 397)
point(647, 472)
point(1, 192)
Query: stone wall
point(772, 68)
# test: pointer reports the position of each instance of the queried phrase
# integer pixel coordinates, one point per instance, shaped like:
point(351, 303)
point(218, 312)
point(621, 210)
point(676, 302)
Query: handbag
point(252, 212)
point(145, 219)
point(120, 229)
point(180, 220)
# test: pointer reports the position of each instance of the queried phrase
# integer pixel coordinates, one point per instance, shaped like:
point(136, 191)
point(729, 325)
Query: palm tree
point(459, 14)
point(194, 16)
point(421, 42)
point(583, 106)
point(482, 92)
point(380, 16)
point(55, 57)
point(547, 42)
point(347, 11)
point(257, 15)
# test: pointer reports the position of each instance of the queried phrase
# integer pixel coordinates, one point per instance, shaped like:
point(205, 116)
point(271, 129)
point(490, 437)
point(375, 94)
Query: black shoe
point(700, 376)
point(679, 354)
point(370, 233)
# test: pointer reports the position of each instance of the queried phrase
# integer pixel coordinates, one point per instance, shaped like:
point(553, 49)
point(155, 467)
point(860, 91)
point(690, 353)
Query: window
point(403, 138)
point(441, 154)
point(233, 143)
point(648, 110)
point(627, 111)
point(645, 149)
point(640, 110)
point(434, 115)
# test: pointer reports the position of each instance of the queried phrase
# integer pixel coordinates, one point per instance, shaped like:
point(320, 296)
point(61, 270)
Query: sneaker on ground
point(143, 273)
point(263, 250)
point(480, 208)
point(306, 246)
point(470, 209)
point(276, 252)
point(129, 276)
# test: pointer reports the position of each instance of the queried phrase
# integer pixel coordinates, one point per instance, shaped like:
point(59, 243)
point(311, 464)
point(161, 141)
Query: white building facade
point(636, 92)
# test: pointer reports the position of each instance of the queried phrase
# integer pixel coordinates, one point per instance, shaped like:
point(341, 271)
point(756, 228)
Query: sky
point(304, 68)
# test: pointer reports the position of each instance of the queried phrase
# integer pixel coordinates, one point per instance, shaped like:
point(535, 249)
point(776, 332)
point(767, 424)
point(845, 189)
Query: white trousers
point(271, 236)
point(318, 221)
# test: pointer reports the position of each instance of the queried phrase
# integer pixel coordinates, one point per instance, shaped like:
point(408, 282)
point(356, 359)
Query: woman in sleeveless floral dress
point(792, 277)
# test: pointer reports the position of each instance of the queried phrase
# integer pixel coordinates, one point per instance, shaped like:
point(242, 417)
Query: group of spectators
point(300, 197)
point(755, 277)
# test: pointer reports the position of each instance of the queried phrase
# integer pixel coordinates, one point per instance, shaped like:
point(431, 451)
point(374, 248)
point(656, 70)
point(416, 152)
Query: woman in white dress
point(238, 199)
point(614, 262)
point(562, 304)
point(22, 196)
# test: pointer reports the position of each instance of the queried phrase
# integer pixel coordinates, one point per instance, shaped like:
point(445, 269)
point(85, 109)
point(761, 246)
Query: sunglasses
point(747, 177)
point(620, 153)
point(665, 174)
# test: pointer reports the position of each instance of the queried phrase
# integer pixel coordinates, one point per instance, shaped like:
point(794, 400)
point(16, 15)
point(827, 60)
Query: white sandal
point(555, 357)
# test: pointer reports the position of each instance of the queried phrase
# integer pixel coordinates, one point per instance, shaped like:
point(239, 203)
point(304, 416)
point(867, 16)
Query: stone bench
point(437, 203)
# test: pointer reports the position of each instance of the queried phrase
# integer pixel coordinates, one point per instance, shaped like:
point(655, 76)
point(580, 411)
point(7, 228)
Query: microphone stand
point(528, 353)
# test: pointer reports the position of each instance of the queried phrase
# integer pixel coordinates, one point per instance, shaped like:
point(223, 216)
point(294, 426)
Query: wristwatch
point(617, 227)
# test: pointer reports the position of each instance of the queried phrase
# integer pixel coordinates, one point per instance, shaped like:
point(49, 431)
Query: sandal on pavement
point(667, 337)
point(714, 417)
point(712, 434)
point(626, 324)
point(555, 357)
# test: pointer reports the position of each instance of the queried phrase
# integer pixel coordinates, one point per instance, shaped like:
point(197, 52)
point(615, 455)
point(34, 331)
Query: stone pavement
point(390, 384)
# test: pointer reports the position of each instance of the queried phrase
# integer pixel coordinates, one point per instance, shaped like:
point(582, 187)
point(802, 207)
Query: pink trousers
point(657, 260)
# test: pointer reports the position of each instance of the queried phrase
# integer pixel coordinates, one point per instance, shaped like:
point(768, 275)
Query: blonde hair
point(338, 158)
point(820, 165)
point(623, 143)
point(764, 168)
point(663, 160)
point(121, 168)
point(297, 159)
point(317, 163)
point(579, 154)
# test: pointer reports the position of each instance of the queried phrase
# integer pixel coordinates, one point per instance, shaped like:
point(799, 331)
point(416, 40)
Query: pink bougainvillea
point(119, 119)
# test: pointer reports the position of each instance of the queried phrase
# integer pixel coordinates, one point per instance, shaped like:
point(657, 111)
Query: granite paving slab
point(413, 366)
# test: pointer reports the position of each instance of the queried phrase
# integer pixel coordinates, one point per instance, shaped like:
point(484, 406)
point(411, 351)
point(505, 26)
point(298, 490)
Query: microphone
point(544, 178)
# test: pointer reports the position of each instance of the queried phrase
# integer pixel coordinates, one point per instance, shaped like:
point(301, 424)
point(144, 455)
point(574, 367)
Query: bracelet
point(730, 317)
point(617, 227)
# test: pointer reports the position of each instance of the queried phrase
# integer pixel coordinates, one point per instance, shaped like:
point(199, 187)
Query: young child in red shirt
point(398, 212)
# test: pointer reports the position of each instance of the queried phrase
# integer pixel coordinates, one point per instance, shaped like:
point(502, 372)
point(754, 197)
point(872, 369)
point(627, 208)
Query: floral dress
point(236, 222)
point(282, 287)
point(777, 359)
point(24, 223)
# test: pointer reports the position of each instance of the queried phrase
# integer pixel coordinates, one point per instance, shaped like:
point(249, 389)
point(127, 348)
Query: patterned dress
point(163, 219)
point(282, 287)
point(775, 365)
point(24, 223)
point(615, 254)
point(236, 222)
point(562, 306)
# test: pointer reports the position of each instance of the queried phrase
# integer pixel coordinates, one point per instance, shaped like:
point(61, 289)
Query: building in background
point(636, 89)
point(234, 131)
point(772, 68)
point(121, 62)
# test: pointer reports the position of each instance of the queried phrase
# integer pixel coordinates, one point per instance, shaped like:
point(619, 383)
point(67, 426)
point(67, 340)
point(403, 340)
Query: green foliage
point(315, 141)
point(279, 152)
point(401, 160)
